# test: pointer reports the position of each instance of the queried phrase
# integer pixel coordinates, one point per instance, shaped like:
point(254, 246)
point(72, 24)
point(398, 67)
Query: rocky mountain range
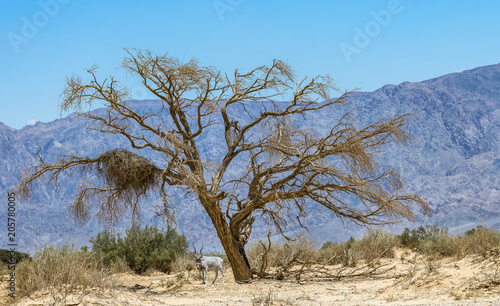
point(453, 162)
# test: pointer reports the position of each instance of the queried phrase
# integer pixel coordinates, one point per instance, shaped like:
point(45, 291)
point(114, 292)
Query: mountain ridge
point(453, 163)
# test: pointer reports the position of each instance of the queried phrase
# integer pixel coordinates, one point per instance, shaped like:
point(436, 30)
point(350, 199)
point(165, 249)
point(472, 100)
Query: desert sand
point(407, 279)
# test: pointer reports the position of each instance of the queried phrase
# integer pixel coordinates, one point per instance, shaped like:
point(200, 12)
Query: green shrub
point(440, 246)
point(5, 256)
point(413, 238)
point(141, 249)
point(435, 241)
point(327, 245)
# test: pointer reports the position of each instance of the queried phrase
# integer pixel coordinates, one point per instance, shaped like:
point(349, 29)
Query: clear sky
point(364, 44)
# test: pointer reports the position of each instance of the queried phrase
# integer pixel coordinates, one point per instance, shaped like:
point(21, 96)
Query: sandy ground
point(407, 280)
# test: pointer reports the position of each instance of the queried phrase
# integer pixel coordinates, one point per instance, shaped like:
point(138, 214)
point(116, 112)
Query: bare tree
point(286, 166)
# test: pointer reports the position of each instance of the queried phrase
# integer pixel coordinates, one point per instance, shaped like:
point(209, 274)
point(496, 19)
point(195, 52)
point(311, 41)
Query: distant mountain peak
point(4, 126)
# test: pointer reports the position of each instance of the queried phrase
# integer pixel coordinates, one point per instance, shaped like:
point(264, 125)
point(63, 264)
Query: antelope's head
point(198, 260)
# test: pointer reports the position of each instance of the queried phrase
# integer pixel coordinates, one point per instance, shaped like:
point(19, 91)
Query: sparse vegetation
point(60, 271)
point(270, 298)
point(435, 241)
point(301, 259)
point(282, 257)
point(373, 245)
point(363, 255)
point(143, 249)
point(481, 240)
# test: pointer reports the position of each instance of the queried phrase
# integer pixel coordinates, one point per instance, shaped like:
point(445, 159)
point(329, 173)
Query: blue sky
point(364, 44)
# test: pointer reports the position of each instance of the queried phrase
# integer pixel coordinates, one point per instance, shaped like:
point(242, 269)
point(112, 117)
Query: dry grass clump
point(481, 241)
point(302, 259)
point(270, 298)
point(303, 249)
point(282, 257)
point(4, 268)
point(277, 255)
point(61, 271)
point(373, 245)
point(185, 263)
point(376, 244)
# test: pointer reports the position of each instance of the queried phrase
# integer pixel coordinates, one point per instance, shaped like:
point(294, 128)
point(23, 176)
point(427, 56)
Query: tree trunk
point(235, 252)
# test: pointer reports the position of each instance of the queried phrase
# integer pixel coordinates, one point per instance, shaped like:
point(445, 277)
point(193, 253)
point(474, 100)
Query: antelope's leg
point(216, 274)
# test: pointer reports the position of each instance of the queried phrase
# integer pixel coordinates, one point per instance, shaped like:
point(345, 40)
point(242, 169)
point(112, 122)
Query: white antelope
point(206, 264)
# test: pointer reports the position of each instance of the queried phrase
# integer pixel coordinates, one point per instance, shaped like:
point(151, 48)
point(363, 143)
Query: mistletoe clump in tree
point(286, 166)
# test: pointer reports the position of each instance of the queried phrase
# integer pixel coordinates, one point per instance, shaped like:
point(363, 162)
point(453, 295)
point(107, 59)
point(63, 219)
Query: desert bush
point(257, 255)
point(337, 253)
point(119, 266)
point(328, 245)
point(184, 262)
point(5, 256)
point(302, 249)
point(413, 238)
point(61, 271)
point(481, 240)
point(375, 244)
point(284, 256)
point(105, 246)
point(431, 263)
point(4, 269)
point(440, 246)
point(435, 241)
point(142, 249)
point(301, 258)
point(430, 240)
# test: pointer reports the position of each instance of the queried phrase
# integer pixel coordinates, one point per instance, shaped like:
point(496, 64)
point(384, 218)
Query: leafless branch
point(287, 167)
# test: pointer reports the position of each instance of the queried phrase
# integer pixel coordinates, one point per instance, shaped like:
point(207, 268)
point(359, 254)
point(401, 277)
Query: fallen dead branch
point(300, 262)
